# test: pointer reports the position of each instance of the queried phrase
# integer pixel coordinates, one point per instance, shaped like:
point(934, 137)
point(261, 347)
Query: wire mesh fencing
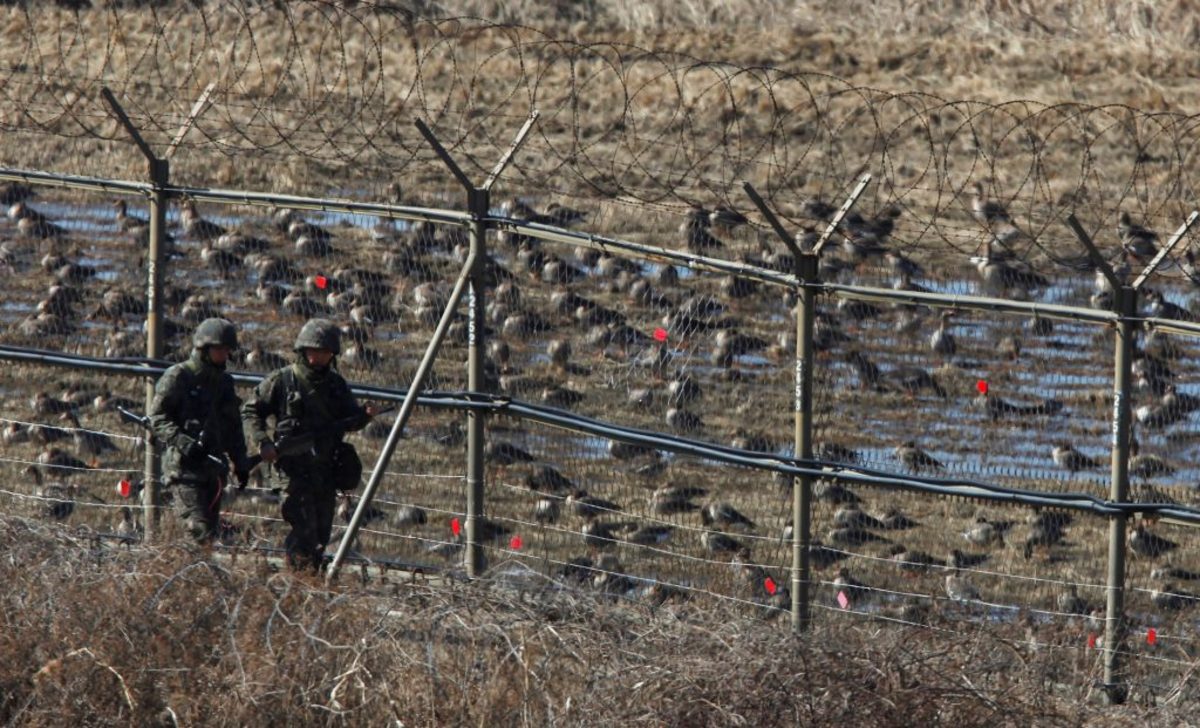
point(924, 390)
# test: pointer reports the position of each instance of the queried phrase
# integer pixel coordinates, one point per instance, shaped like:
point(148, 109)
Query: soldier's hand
point(268, 452)
point(371, 410)
point(190, 448)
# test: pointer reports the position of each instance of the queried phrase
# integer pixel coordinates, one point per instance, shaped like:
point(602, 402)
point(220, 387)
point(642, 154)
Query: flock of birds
point(597, 305)
point(1002, 273)
point(65, 451)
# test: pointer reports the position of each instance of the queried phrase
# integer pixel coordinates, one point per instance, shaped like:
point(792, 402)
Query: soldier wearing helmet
point(311, 403)
point(195, 414)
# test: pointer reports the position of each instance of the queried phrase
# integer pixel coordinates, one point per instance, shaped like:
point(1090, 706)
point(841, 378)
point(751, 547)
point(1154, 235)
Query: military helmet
point(319, 334)
point(215, 332)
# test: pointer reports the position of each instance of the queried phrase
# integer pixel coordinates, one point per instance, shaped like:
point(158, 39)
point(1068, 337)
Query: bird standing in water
point(942, 342)
point(916, 459)
point(1066, 456)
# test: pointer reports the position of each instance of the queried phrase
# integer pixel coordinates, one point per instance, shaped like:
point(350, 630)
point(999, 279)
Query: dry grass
point(160, 637)
point(326, 91)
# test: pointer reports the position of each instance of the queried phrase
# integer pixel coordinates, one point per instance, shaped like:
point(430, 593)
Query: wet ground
point(740, 394)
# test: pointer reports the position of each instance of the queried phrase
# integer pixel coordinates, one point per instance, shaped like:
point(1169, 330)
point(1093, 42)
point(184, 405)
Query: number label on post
point(471, 299)
point(799, 400)
point(1118, 398)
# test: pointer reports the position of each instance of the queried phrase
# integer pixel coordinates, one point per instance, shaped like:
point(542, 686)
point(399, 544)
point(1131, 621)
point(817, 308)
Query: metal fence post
point(159, 177)
point(479, 203)
point(1125, 305)
point(473, 276)
point(406, 408)
point(159, 171)
point(806, 271)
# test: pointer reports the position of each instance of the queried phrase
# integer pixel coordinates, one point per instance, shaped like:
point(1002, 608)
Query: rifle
point(304, 442)
point(144, 421)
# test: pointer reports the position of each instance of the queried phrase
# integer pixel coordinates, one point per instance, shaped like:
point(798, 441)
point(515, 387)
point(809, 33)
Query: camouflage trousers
point(198, 507)
point(309, 511)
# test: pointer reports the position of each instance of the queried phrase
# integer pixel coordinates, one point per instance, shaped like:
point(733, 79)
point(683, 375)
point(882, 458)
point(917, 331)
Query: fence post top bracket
point(494, 175)
point(840, 215)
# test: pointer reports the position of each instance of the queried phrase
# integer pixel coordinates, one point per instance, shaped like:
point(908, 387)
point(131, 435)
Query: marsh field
point(648, 112)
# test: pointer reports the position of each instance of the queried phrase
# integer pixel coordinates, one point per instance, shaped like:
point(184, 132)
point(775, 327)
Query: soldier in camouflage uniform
point(310, 401)
point(195, 415)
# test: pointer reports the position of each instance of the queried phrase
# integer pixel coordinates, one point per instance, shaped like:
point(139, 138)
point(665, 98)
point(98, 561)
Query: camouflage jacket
point(195, 402)
point(304, 402)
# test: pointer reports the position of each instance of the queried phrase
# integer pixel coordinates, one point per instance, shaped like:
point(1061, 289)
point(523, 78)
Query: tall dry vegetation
point(1094, 51)
point(95, 635)
point(352, 75)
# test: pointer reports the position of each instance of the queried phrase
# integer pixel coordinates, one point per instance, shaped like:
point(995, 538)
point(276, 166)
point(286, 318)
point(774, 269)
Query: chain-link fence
point(921, 384)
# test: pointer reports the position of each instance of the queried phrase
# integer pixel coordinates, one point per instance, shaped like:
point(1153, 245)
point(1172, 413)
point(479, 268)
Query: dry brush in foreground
point(97, 635)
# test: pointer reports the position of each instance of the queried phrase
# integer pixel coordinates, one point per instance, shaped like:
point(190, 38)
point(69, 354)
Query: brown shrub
point(98, 636)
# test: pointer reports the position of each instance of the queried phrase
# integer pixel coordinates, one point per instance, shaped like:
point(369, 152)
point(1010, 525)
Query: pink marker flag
point(843, 600)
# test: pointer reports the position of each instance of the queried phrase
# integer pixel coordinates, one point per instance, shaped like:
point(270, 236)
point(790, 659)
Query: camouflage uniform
point(306, 401)
point(195, 413)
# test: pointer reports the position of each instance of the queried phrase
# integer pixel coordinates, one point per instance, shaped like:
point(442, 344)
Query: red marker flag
point(1091, 640)
point(321, 282)
point(515, 543)
point(981, 385)
point(124, 488)
point(455, 526)
point(660, 334)
point(1151, 636)
point(769, 585)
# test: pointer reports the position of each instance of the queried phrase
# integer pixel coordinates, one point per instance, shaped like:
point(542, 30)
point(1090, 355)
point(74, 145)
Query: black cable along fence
point(960, 335)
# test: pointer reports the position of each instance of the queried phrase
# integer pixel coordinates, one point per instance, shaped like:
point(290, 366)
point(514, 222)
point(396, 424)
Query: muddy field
point(1031, 110)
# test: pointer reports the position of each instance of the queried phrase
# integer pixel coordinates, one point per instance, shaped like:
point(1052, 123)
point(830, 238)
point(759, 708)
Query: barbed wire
point(322, 97)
